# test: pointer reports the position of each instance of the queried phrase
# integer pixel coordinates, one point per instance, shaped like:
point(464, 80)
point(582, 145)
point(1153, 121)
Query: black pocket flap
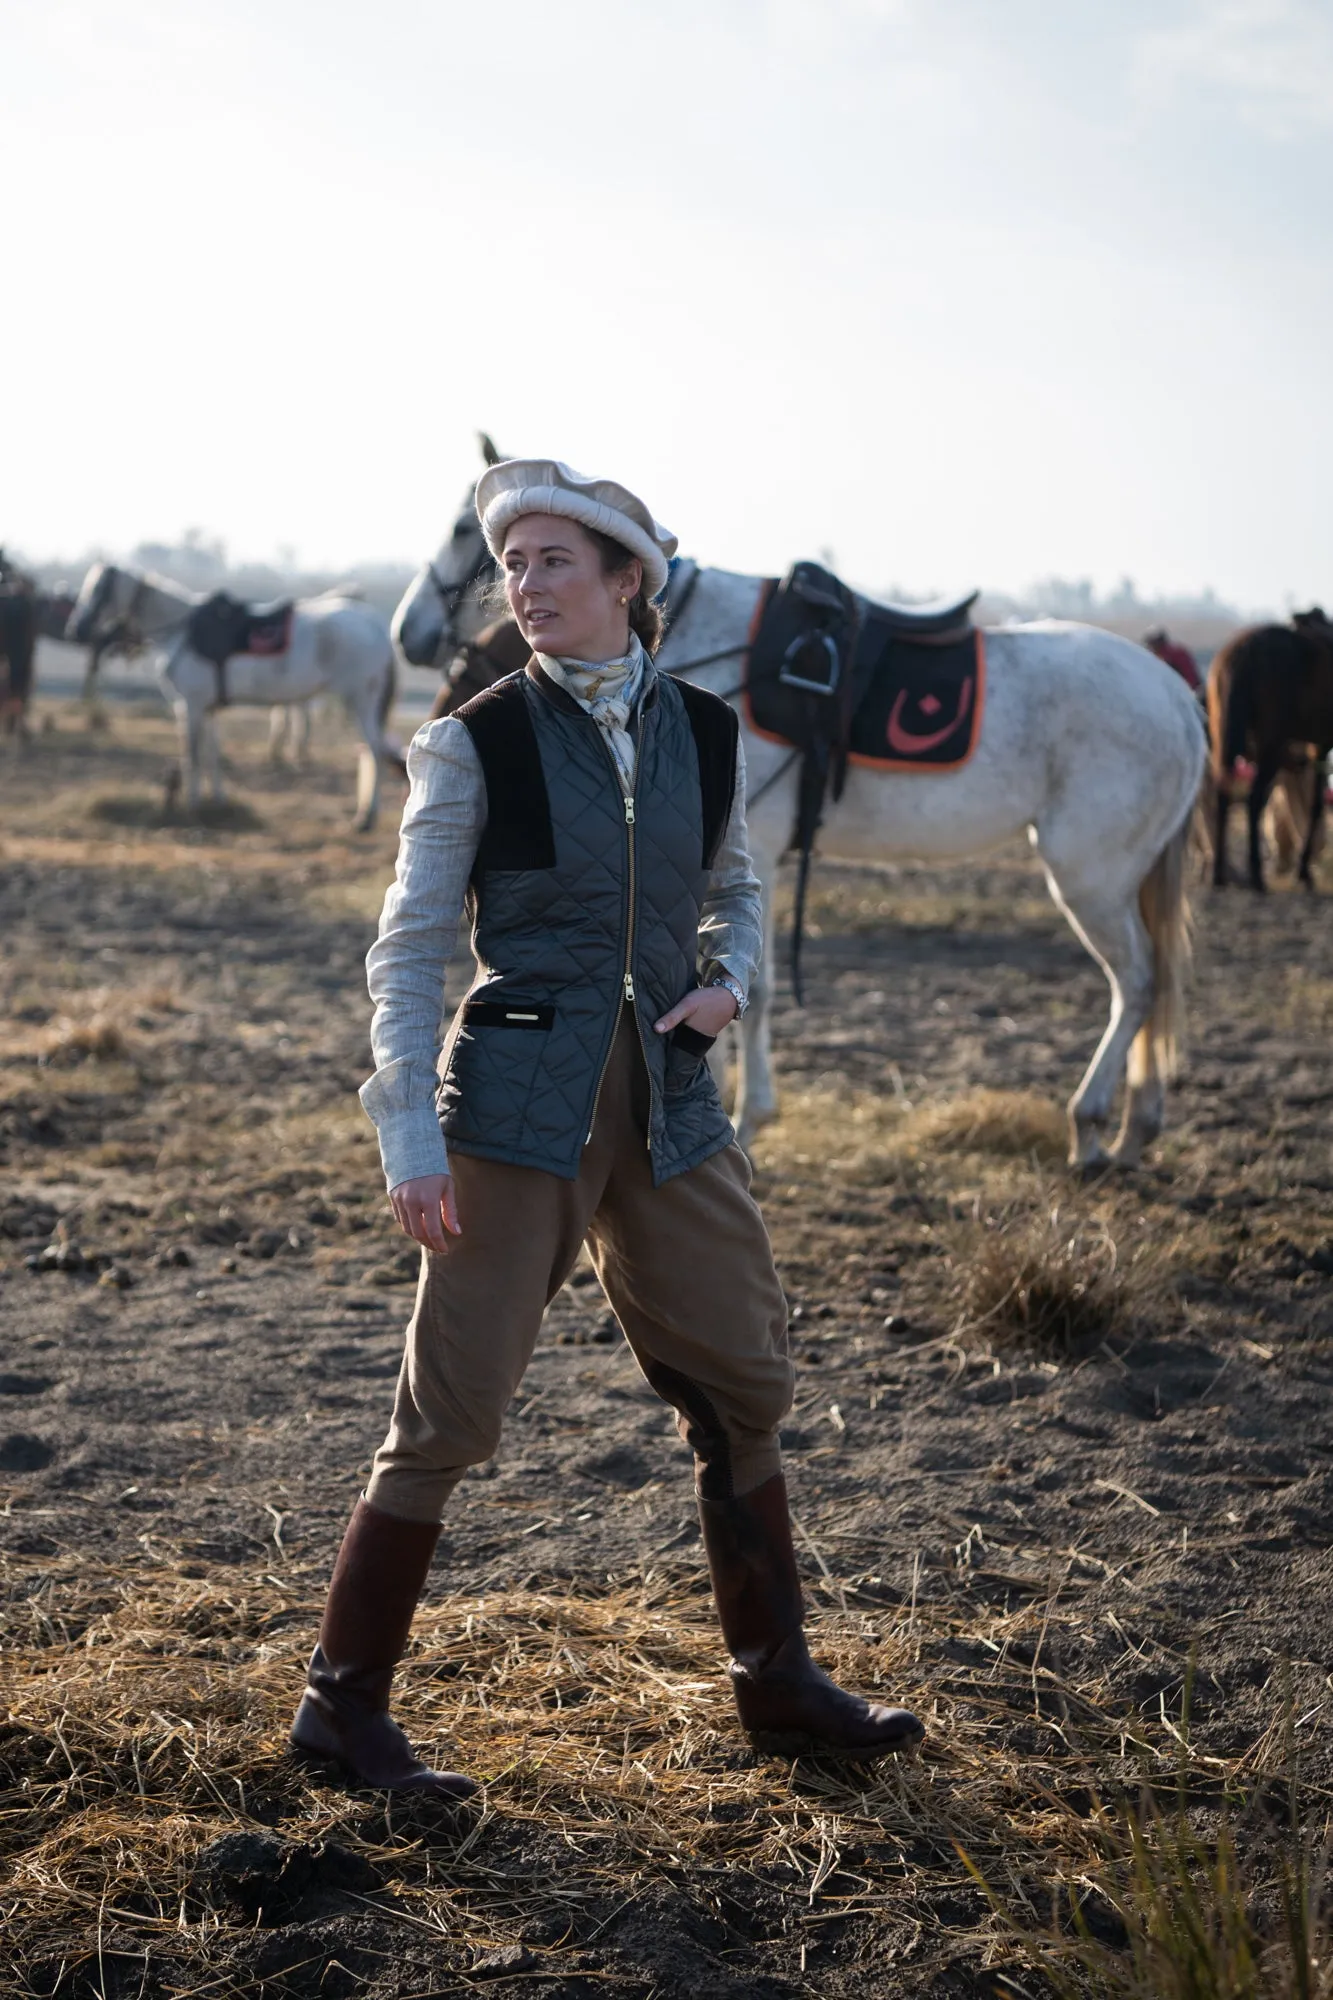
point(538, 1015)
point(690, 1042)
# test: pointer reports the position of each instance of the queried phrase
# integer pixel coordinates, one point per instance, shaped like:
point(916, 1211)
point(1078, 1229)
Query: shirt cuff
point(411, 1145)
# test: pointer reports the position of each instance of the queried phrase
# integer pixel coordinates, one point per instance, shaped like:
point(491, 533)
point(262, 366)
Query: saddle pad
point(917, 703)
point(922, 708)
point(221, 627)
point(269, 632)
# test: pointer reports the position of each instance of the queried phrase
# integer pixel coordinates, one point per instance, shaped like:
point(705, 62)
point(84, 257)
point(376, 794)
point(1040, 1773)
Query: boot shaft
point(756, 1586)
point(378, 1578)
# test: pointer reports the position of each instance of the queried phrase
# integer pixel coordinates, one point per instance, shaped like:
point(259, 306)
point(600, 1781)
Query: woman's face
point(562, 598)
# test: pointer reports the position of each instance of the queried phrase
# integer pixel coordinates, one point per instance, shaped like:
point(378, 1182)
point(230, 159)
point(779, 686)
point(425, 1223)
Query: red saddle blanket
point(916, 698)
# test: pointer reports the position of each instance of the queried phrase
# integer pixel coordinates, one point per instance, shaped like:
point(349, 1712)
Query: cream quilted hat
point(544, 486)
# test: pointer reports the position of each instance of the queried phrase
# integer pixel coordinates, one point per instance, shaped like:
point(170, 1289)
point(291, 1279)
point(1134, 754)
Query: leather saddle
point(223, 626)
point(810, 667)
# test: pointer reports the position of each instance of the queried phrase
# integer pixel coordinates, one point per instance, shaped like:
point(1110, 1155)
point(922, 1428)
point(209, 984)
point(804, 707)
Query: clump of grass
point(855, 1138)
point(1176, 1914)
point(1013, 1124)
point(1043, 1281)
point(99, 1038)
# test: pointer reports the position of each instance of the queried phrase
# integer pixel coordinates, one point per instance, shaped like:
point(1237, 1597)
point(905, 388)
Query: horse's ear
point(488, 450)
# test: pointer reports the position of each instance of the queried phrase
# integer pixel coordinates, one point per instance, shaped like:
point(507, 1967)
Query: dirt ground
point(1027, 1538)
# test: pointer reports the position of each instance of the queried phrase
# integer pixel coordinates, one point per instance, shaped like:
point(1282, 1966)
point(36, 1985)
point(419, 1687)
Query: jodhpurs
point(687, 1268)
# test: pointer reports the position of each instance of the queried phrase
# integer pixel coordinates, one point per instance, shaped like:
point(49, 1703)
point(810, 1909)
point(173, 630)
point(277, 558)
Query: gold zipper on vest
point(628, 976)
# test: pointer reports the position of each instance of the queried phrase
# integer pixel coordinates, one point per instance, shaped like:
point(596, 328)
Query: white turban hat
point(520, 486)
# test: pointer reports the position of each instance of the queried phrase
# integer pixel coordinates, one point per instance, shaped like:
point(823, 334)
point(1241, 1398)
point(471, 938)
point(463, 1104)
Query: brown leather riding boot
point(787, 1704)
point(344, 1712)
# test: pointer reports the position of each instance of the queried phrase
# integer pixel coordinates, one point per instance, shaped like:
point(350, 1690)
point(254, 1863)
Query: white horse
point(1085, 744)
point(338, 644)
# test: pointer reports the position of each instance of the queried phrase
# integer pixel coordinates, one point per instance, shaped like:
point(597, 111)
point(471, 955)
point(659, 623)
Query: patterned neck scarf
point(608, 691)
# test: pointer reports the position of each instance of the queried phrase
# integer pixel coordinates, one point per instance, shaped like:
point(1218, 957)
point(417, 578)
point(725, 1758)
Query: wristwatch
point(736, 990)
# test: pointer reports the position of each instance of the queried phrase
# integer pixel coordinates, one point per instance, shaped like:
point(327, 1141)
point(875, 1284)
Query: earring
point(624, 600)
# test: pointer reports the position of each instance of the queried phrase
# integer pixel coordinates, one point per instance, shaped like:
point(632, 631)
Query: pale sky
point(960, 291)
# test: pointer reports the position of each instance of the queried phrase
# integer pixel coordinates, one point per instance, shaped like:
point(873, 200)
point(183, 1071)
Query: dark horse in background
point(18, 644)
point(1270, 694)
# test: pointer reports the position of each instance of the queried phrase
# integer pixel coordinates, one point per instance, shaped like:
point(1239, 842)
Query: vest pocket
point(685, 1052)
point(537, 1016)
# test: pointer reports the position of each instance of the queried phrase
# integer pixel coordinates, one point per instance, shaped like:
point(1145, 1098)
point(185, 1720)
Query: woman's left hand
point(707, 1009)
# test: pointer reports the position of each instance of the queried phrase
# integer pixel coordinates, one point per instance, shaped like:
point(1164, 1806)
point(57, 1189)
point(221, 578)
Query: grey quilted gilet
point(579, 909)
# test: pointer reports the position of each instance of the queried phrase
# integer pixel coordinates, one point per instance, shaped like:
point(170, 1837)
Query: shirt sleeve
point(731, 921)
point(443, 822)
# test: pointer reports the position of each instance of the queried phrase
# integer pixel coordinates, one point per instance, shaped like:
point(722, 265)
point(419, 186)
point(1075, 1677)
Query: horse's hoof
point(1087, 1154)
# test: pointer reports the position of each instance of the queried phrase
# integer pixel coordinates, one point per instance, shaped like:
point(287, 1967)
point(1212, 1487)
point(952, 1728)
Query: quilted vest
point(582, 904)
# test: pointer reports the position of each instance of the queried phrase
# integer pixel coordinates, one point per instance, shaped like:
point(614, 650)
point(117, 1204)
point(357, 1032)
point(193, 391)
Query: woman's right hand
point(424, 1209)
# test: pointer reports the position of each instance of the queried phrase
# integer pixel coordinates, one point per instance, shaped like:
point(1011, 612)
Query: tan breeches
point(688, 1270)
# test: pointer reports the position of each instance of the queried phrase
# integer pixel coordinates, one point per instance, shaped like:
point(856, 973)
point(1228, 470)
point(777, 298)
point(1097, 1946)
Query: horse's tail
point(1230, 705)
point(1164, 903)
point(388, 693)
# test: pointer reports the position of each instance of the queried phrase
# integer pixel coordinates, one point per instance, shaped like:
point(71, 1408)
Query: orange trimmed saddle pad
point(896, 687)
point(922, 707)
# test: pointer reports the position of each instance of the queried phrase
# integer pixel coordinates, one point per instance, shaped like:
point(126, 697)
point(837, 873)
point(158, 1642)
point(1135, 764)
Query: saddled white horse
point(1085, 744)
point(338, 645)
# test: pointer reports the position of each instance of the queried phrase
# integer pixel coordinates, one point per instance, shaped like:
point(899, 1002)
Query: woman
point(590, 812)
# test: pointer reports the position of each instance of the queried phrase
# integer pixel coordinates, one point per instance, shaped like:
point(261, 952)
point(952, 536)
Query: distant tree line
point(200, 562)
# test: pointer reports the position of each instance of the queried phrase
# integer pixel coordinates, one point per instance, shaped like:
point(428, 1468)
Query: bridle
point(451, 595)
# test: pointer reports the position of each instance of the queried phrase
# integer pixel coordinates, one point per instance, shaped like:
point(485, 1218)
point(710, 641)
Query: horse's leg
point(1223, 810)
point(1270, 763)
point(278, 720)
point(214, 745)
point(93, 709)
point(298, 734)
point(190, 722)
point(368, 763)
point(1311, 847)
point(1107, 918)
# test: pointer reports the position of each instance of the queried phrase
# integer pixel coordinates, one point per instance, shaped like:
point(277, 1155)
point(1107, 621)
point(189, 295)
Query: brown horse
point(1268, 689)
point(498, 650)
point(18, 643)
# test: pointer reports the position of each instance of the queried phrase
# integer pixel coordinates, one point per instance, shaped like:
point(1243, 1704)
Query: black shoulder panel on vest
point(518, 812)
point(716, 726)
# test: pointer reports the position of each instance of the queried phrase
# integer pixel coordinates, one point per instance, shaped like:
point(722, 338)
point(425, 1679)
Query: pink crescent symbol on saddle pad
point(907, 743)
point(930, 704)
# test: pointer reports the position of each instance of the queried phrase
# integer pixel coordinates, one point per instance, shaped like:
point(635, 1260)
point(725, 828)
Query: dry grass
point(872, 1140)
point(147, 1716)
point(1307, 1002)
point(1050, 1281)
point(99, 1037)
point(1008, 1124)
point(1242, 1912)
